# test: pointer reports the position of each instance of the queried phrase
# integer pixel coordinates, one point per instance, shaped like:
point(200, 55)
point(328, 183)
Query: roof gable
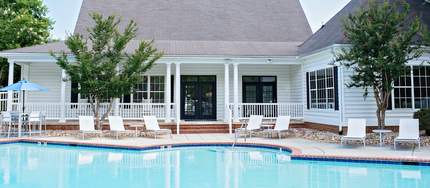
point(332, 32)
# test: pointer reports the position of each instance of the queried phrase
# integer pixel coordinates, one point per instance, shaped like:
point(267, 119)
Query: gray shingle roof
point(217, 48)
point(206, 20)
point(203, 27)
point(332, 32)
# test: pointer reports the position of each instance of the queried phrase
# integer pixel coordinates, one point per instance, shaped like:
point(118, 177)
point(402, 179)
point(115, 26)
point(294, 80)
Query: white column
point(10, 81)
point(236, 93)
point(167, 92)
point(116, 100)
point(226, 89)
point(178, 95)
point(63, 97)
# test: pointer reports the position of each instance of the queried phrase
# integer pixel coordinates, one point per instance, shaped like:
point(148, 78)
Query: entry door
point(259, 90)
point(198, 97)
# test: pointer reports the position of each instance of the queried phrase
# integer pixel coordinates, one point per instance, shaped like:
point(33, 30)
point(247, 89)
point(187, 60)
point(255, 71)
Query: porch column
point(116, 100)
point(167, 92)
point(63, 97)
point(10, 81)
point(226, 90)
point(178, 95)
point(236, 93)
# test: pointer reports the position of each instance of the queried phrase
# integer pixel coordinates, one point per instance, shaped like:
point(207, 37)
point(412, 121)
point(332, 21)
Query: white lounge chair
point(253, 125)
point(356, 131)
point(117, 126)
point(151, 124)
point(7, 119)
point(282, 125)
point(86, 125)
point(409, 132)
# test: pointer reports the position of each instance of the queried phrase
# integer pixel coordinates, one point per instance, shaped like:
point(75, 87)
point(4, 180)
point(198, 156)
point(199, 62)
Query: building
point(230, 59)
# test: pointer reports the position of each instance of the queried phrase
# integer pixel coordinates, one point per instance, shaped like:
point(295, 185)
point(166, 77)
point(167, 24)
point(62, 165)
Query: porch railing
point(269, 110)
point(131, 111)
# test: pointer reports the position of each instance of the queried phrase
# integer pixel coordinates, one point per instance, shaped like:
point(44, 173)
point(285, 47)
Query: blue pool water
point(32, 165)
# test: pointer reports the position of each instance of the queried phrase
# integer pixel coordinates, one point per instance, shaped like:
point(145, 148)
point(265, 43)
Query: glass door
point(198, 97)
point(259, 89)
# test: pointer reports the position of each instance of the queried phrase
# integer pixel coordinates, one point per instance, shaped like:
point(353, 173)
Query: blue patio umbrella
point(23, 86)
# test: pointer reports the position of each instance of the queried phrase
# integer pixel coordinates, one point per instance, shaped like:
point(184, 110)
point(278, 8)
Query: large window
point(150, 90)
point(321, 89)
point(413, 93)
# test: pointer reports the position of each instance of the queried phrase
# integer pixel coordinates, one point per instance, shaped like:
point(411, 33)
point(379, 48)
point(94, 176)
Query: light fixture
point(269, 61)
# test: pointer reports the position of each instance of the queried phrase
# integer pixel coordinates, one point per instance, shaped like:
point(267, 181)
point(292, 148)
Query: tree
point(382, 42)
point(22, 23)
point(95, 66)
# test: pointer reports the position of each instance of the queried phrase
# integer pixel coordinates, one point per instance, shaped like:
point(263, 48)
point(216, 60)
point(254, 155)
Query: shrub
point(424, 116)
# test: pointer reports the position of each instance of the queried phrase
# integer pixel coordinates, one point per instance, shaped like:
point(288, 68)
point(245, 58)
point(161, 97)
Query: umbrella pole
point(23, 101)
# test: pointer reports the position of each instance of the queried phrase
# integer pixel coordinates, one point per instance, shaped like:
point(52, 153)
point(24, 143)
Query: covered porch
point(231, 95)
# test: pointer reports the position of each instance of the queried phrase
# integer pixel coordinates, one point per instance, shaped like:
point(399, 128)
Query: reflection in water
point(50, 166)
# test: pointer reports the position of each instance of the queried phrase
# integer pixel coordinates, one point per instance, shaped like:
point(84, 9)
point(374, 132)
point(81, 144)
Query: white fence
point(269, 110)
point(131, 111)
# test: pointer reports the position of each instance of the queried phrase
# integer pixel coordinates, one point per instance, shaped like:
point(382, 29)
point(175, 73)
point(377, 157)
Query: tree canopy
point(22, 23)
point(383, 39)
point(98, 60)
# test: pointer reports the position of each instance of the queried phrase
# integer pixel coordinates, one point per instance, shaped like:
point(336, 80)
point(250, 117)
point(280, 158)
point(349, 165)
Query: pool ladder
point(237, 134)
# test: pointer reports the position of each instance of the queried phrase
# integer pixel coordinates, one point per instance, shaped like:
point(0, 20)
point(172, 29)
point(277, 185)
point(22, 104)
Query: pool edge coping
point(296, 153)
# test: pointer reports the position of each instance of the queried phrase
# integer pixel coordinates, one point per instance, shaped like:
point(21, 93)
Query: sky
point(65, 13)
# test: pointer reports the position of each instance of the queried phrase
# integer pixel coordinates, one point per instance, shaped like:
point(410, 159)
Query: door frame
point(198, 106)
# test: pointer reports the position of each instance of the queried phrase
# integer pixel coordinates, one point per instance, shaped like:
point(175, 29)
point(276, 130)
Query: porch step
point(185, 128)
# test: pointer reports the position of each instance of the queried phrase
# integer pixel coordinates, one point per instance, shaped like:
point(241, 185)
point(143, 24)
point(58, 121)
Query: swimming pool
point(32, 165)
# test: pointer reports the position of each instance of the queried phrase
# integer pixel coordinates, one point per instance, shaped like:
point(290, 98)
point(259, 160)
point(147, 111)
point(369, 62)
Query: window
point(321, 89)
point(150, 90)
point(417, 89)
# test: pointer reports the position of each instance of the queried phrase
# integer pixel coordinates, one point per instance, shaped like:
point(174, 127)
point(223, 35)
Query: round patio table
point(136, 126)
point(269, 126)
point(381, 136)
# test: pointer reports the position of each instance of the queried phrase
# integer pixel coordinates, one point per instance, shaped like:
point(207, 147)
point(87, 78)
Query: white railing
point(3, 99)
point(138, 110)
point(270, 110)
point(74, 110)
point(229, 118)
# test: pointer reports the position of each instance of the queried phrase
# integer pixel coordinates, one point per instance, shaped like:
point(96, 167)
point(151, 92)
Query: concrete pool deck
point(300, 146)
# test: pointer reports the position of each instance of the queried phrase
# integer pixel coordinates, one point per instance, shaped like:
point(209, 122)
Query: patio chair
point(282, 125)
point(253, 125)
point(151, 124)
point(43, 118)
point(117, 126)
point(6, 118)
point(86, 125)
point(356, 131)
point(408, 132)
point(34, 118)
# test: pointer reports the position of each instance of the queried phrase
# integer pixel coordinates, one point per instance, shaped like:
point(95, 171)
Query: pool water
point(32, 165)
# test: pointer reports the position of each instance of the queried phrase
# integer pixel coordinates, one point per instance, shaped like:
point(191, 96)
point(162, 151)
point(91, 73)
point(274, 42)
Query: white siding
point(296, 84)
point(322, 116)
point(47, 75)
point(355, 105)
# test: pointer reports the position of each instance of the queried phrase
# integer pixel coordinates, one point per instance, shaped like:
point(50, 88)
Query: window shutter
point(307, 91)
point(336, 88)
point(74, 96)
point(126, 99)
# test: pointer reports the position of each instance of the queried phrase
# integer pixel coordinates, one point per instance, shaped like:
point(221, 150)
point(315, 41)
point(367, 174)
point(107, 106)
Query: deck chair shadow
point(151, 125)
point(409, 132)
point(253, 125)
point(86, 125)
point(356, 131)
point(282, 125)
point(117, 126)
